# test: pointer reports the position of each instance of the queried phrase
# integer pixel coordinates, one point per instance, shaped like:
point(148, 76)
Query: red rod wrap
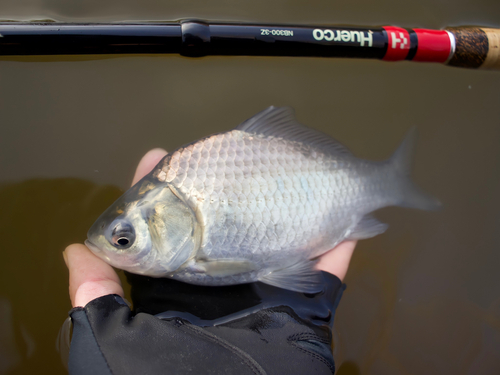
point(433, 45)
point(398, 44)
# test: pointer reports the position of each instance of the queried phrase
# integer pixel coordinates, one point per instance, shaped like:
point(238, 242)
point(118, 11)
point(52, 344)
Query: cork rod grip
point(476, 47)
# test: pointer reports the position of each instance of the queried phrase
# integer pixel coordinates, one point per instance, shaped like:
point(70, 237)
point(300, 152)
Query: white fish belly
point(270, 201)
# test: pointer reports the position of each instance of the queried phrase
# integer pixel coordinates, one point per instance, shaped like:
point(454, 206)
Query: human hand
point(91, 278)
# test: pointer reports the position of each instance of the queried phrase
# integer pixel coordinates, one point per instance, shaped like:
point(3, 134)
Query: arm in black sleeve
point(178, 328)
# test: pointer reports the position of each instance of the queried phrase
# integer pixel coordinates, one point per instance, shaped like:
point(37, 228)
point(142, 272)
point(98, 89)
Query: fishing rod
point(468, 47)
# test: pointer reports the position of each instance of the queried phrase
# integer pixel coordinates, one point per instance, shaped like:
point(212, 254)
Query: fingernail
point(65, 256)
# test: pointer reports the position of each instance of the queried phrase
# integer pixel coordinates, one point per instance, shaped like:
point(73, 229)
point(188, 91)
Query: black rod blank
point(190, 38)
point(77, 39)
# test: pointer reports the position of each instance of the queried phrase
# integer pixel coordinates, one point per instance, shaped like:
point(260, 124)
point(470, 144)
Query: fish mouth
point(92, 247)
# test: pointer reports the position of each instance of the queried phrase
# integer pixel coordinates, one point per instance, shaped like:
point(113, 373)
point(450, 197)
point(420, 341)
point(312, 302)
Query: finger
point(337, 260)
point(89, 276)
point(148, 162)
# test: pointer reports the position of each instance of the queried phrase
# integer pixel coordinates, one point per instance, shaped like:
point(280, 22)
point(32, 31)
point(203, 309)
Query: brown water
point(422, 298)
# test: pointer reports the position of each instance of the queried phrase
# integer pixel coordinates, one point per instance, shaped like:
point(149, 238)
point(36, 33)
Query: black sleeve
point(177, 328)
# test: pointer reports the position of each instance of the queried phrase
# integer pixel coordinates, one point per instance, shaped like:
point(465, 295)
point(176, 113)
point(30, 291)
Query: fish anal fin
point(367, 227)
point(299, 277)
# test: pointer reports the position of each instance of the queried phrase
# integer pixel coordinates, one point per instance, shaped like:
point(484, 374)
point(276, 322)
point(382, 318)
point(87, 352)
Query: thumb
point(89, 276)
point(148, 162)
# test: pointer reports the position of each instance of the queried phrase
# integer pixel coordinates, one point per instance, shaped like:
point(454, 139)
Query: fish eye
point(122, 235)
point(123, 241)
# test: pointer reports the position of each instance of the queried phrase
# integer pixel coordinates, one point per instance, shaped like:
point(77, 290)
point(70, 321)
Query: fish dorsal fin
point(281, 122)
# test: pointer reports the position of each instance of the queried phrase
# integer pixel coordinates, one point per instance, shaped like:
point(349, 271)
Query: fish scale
point(257, 203)
point(260, 163)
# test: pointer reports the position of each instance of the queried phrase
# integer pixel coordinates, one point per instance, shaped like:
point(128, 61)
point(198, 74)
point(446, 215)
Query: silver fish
point(258, 203)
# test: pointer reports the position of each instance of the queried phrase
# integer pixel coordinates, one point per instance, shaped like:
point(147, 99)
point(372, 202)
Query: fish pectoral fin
point(299, 277)
point(367, 227)
point(224, 267)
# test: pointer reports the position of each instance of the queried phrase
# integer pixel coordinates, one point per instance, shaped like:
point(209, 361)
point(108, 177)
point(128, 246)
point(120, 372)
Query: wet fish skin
point(254, 204)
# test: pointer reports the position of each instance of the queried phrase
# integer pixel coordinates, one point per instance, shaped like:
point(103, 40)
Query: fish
point(260, 202)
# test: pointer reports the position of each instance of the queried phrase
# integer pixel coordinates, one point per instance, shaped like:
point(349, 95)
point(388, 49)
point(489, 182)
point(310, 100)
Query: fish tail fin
point(409, 194)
